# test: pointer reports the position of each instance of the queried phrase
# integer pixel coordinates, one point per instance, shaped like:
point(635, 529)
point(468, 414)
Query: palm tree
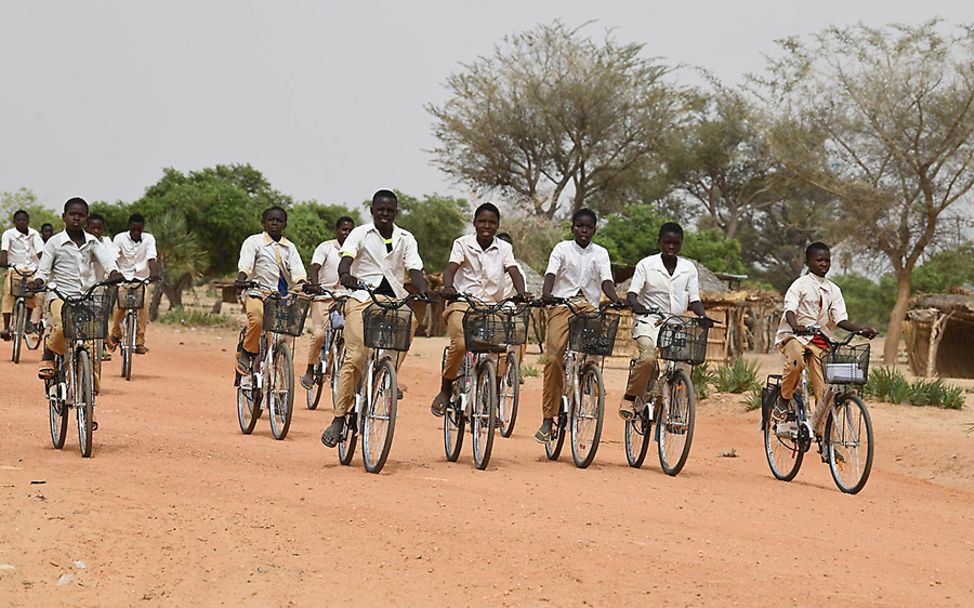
point(181, 259)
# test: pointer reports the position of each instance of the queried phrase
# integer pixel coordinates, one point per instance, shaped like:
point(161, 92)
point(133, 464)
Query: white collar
point(267, 240)
point(62, 238)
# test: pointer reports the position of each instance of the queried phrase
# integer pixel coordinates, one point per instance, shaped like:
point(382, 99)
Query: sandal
point(333, 433)
point(438, 407)
point(46, 370)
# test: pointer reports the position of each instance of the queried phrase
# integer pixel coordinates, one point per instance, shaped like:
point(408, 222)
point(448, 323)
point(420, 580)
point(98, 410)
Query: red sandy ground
point(177, 508)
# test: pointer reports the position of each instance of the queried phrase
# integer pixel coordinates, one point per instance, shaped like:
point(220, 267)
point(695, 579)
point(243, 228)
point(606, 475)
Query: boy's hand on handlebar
point(868, 332)
point(36, 284)
point(548, 299)
point(347, 280)
point(705, 322)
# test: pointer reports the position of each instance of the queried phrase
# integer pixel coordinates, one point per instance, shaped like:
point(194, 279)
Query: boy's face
point(75, 218)
point(819, 262)
point(96, 227)
point(486, 224)
point(135, 230)
point(47, 232)
point(384, 211)
point(274, 223)
point(21, 222)
point(670, 244)
point(583, 230)
point(341, 233)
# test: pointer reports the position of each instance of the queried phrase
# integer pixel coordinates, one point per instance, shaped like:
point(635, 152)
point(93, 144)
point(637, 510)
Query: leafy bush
point(194, 318)
point(888, 384)
point(702, 377)
point(740, 376)
point(754, 399)
point(529, 371)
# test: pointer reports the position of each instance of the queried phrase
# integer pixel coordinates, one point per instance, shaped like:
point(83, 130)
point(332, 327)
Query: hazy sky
point(326, 98)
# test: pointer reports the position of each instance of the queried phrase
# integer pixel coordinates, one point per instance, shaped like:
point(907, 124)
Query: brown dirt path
point(177, 508)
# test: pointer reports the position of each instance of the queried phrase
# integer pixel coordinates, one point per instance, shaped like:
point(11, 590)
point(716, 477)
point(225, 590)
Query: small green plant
point(542, 358)
point(194, 318)
point(702, 377)
point(740, 376)
point(888, 384)
point(937, 393)
point(754, 399)
point(529, 371)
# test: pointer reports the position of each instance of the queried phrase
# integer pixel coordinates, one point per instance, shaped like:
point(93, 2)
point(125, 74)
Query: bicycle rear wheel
point(20, 324)
point(637, 435)
point(57, 412)
point(674, 428)
point(552, 447)
point(849, 437)
point(280, 391)
point(84, 402)
point(587, 416)
point(782, 443)
point(483, 413)
point(379, 418)
point(128, 344)
point(510, 393)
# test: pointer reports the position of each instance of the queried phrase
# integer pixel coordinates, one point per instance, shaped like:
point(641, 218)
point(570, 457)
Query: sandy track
point(177, 508)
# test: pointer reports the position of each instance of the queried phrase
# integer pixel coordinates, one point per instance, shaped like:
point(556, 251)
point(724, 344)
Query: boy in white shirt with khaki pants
point(136, 260)
point(20, 248)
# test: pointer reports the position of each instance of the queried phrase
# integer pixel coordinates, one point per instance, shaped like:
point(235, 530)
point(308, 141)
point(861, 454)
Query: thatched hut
point(939, 331)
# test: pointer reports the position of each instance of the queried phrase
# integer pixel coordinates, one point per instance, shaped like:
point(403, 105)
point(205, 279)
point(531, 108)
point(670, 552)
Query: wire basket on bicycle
point(493, 332)
point(846, 364)
point(285, 315)
point(87, 319)
point(593, 334)
point(390, 329)
point(131, 296)
point(683, 339)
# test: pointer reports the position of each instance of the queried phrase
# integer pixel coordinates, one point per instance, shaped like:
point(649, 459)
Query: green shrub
point(740, 376)
point(754, 399)
point(529, 371)
point(194, 318)
point(702, 377)
point(888, 384)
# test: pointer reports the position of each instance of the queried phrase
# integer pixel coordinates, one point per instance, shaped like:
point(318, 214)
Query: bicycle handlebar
point(665, 317)
point(553, 301)
point(392, 304)
point(812, 330)
point(478, 305)
point(52, 287)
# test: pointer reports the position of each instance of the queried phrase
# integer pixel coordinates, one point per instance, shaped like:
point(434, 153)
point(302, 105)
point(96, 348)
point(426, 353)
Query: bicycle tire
point(20, 309)
point(379, 418)
point(57, 413)
point(638, 435)
point(346, 443)
point(33, 338)
point(128, 345)
point(589, 410)
point(248, 406)
point(676, 419)
point(313, 394)
point(510, 395)
point(337, 360)
point(280, 392)
point(782, 447)
point(851, 430)
point(483, 413)
point(84, 405)
point(552, 447)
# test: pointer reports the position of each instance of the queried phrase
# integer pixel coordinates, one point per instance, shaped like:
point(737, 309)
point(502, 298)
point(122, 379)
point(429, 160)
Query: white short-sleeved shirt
point(259, 255)
point(655, 287)
point(815, 301)
point(70, 266)
point(98, 271)
point(23, 250)
point(133, 257)
point(371, 262)
point(482, 271)
point(579, 270)
point(326, 255)
point(509, 291)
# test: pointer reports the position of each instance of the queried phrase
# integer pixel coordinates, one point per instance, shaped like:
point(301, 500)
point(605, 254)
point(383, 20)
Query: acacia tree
point(553, 114)
point(882, 119)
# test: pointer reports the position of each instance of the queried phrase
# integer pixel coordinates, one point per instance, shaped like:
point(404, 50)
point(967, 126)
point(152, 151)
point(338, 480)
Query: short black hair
point(47, 225)
point(343, 219)
point(491, 207)
point(263, 216)
point(584, 212)
point(96, 217)
point(20, 212)
point(384, 194)
point(505, 236)
point(76, 200)
point(136, 218)
point(671, 228)
point(816, 246)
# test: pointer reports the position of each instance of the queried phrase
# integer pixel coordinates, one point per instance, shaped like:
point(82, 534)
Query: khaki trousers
point(643, 367)
point(795, 361)
point(142, 321)
point(453, 316)
point(254, 307)
point(357, 354)
point(319, 329)
point(34, 302)
point(556, 342)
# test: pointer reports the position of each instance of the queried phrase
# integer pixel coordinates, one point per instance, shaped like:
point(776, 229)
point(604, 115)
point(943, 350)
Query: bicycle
point(22, 328)
point(673, 409)
point(131, 298)
point(847, 438)
point(332, 353)
point(509, 392)
point(271, 377)
point(488, 330)
point(84, 319)
point(591, 337)
point(387, 327)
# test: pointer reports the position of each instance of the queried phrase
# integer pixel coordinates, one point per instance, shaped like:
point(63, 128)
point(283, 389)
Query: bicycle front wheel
point(35, 336)
point(638, 435)
point(57, 412)
point(280, 391)
point(483, 415)
point(849, 437)
point(346, 443)
point(453, 425)
point(510, 393)
point(84, 402)
point(675, 427)
point(313, 394)
point(337, 359)
point(379, 418)
point(552, 447)
point(586, 417)
point(128, 344)
point(20, 325)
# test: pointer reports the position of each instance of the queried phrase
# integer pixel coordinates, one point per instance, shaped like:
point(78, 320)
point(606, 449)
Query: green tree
point(25, 199)
point(181, 258)
point(116, 215)
point(883, 120)
point(555, 120)
point(435, 221)
point(945, 269)
point(867, 301)
point(309, 223)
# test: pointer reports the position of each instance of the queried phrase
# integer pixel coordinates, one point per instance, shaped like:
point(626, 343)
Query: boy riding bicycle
point(136, 260)
point(577, 269)
point(666, 282)
point(478, 266)
point(20, 250)
point(377, 254)
point(812, 300)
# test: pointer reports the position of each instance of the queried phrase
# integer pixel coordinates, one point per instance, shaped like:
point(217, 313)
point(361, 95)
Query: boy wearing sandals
point(671, 284)
point(577, 270)
point(479, 264)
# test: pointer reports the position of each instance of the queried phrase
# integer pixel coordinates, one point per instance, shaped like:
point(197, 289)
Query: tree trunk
point(897, 316)
point(156, 300)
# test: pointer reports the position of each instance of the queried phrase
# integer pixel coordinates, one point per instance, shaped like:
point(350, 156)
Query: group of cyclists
point(362, 288)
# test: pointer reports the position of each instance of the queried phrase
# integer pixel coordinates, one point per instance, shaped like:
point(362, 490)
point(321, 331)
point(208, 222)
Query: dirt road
point(177, 508)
